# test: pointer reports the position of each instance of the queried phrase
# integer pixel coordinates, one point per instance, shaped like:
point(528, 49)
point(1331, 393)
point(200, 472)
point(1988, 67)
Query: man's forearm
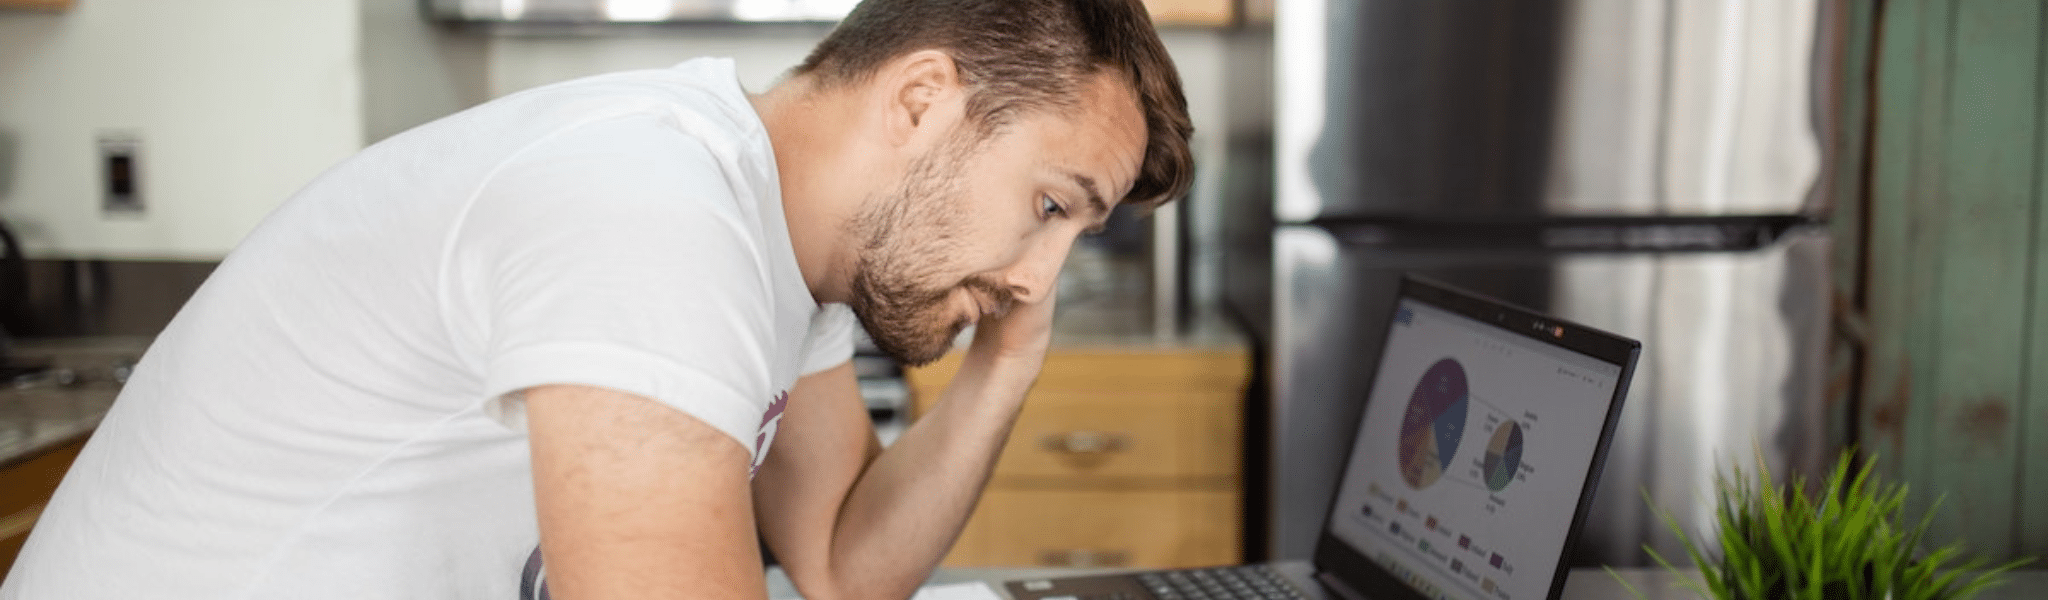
point(908, 507)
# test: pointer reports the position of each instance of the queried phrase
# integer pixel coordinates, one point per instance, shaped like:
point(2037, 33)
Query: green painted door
point(1950, 292)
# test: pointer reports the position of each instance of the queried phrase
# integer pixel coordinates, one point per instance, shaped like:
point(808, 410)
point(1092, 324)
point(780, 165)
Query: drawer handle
point(1084, 442)
point(1083, 558)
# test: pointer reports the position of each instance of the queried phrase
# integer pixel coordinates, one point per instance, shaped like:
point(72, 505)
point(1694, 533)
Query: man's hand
point(1019, 337)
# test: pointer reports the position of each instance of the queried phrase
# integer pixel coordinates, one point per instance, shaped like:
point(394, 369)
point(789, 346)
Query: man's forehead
point(1108, 127)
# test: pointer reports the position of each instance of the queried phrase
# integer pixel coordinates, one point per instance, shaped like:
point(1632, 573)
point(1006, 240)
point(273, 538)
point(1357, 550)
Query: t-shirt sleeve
point(617, 255)
point(833, 329)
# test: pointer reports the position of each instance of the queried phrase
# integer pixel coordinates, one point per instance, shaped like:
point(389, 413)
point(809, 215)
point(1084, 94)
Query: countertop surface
point(1135, 330)
point(37, 415)
point(35, 421)
point(1581, 584)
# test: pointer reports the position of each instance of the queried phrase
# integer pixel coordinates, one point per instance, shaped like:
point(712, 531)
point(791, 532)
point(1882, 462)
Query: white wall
point(413, 71)
point(237, 102)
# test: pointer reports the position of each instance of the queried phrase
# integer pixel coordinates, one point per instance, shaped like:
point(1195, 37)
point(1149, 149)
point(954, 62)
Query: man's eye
point(1048, 207)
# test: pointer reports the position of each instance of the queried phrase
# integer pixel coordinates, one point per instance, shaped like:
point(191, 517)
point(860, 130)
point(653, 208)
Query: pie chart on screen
point(1434, 423)
point(1503, 456)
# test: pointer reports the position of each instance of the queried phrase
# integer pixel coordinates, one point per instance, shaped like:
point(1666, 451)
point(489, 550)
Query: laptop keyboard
point(1248, 582)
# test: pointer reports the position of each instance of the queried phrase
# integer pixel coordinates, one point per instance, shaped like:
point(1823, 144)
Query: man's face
point(978, 225)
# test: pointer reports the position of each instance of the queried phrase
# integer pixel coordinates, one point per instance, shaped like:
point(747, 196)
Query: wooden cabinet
point(24, 489)
point(1192, 12)
point(1121, 457)
point(36, 4)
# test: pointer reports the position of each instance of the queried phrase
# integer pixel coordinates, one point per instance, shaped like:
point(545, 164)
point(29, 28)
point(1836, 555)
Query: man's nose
point(1038, 270)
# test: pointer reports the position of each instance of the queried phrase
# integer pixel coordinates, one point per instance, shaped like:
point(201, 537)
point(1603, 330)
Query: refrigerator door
point(1732, 366)
point(1393, 109)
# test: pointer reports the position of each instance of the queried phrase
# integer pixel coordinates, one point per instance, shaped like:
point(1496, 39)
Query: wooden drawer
point(1212, 13)
point(1097, 415)
point(24, 489)
point(1134, 528)
point(30, 483)
point(1082, 436)
point(1121, 457)
point(36, 4)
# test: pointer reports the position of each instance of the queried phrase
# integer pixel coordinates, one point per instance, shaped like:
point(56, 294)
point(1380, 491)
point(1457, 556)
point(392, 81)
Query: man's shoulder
point(702, 94)
point(700, 99)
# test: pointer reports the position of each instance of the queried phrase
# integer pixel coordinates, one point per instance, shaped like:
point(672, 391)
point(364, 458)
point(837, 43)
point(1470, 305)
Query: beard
point(900, 291)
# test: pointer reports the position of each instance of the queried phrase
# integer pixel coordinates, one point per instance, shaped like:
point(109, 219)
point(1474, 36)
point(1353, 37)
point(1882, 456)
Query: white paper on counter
point(972, 590)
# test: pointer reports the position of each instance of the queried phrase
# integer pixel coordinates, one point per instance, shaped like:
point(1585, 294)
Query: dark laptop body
point(1525, 405)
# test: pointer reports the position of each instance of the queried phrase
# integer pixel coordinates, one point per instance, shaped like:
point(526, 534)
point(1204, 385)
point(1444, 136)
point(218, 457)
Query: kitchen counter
point(40, 416)
point(33, 422)
point(1111, 327)
point(1582, 583)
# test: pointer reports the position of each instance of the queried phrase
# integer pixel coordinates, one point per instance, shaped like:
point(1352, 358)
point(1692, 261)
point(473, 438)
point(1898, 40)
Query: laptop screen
point(1471, 464)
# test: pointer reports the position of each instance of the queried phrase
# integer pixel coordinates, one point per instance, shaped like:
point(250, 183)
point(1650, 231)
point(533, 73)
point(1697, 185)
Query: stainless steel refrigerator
point(1652, 167)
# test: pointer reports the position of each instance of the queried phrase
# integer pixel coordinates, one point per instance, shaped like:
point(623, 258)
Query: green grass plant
point(1779, 543)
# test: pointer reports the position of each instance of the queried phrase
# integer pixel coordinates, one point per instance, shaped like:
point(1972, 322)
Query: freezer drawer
point(1733, 364)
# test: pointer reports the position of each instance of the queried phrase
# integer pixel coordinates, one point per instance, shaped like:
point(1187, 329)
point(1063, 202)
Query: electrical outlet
point(121, 173)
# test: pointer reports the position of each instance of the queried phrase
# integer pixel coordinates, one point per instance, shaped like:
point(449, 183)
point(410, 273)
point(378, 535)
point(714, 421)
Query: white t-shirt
point(329, 417)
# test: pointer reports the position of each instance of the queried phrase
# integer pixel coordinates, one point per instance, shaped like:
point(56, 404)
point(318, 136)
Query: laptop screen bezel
point(1336, 559)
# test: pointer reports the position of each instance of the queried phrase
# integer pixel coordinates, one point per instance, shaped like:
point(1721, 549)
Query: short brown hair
point(1018, 56)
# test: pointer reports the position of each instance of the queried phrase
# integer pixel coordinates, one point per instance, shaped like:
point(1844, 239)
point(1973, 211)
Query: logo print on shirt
point(767, 419)
point(533, 580)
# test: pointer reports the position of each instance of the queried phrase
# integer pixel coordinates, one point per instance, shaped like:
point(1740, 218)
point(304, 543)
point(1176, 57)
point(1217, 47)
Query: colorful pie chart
point(1503, 456)
point(1434, 424)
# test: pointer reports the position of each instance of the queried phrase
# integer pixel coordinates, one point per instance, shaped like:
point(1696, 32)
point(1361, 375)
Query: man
point(541, 348)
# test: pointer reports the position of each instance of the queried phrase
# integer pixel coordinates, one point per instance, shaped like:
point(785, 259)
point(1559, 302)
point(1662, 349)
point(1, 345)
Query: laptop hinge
point(1337, 586)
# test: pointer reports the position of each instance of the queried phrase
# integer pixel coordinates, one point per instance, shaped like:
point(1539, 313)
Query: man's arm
point(848, 519)
point(639, 500)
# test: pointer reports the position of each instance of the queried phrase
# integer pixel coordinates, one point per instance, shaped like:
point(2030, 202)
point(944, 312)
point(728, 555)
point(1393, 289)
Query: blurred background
point(1824, 217)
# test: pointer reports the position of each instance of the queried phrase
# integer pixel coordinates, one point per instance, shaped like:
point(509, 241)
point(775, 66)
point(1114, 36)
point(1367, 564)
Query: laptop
point(1470, 474)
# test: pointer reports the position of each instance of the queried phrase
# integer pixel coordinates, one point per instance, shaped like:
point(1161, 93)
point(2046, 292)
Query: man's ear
point(925, 96)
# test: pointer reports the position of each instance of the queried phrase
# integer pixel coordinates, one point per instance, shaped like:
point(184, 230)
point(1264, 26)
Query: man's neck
point(809, 132)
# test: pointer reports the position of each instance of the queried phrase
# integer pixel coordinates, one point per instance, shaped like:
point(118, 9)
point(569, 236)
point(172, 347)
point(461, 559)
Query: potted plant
point(1846, 543)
